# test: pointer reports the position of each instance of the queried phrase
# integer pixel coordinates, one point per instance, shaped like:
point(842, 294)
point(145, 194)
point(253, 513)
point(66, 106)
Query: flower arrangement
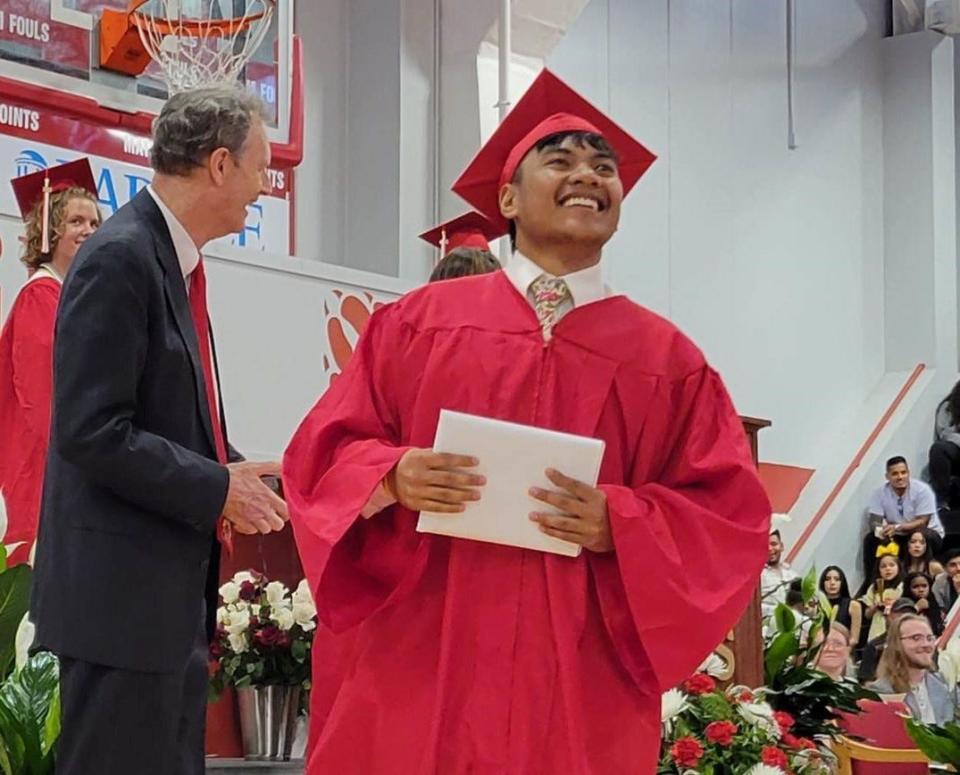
point(264, 634)
point(709, 730)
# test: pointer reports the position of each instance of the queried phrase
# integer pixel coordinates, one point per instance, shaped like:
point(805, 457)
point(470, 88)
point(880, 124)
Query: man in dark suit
point(141, 489)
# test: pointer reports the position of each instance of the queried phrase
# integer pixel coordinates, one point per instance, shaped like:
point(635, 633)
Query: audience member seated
point(464, 262)
point(919, 556)
point(834, 655)
point(775, 578)
point(902, 506)
point(873, 651)
point(945, 452)
point(906, 668)
point(885, 586)
point(919, 588)
point(843, 609)
point(946, 586)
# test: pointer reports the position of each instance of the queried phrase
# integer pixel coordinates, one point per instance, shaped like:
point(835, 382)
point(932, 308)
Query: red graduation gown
point(477, 658)
point(26, 390)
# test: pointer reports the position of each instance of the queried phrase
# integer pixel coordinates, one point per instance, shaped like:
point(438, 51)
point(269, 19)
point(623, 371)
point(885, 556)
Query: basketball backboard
point(49, 53)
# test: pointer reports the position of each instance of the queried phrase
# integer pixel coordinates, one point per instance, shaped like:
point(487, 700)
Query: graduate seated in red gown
point(473, 657)
point(60, 208)
point(464, 247)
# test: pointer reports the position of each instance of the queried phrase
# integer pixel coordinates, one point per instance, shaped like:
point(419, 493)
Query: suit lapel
point(175, 289)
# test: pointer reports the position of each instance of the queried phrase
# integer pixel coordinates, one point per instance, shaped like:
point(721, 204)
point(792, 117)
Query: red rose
point(721, 732)
point(806, 744)
point(784, 720)
point(269, 636)
point(216, 649)
point(745, 696)
point(699, 683)
point(686, 752)
point(774, 757)
point(247, 591)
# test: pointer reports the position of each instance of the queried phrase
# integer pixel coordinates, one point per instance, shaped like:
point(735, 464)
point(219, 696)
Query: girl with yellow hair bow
point(885, 587)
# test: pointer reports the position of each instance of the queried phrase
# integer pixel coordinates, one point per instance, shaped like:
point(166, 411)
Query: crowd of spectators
point(885, 633)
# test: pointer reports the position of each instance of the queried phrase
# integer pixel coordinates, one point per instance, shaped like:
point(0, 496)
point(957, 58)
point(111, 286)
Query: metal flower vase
point(268, 721)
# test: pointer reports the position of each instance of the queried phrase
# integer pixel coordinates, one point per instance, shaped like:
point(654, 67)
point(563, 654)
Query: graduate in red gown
point(463, 251)
point(60, 208)
point(474, 657)
point(464, 247)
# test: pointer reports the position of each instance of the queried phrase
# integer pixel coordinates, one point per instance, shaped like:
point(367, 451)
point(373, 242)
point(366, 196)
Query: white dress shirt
point(188, 255)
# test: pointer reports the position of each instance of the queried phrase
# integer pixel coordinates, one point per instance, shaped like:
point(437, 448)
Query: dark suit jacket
point(126, 550)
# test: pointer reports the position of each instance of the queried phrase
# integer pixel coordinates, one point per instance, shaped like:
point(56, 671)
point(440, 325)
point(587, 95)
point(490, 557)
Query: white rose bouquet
point(264, 633)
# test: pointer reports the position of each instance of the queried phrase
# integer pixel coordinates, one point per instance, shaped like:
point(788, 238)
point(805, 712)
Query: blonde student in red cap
point(59, 206)
point(464, 246)
point(476, 657)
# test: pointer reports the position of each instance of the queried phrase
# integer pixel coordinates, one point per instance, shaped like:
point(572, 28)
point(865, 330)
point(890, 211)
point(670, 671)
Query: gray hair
point(194, 123)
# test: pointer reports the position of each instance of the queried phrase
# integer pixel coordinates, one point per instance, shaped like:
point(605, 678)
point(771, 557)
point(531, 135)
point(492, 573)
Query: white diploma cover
point(513, 458)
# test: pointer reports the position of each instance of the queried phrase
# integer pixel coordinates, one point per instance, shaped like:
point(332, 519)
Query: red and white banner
point(34, 138)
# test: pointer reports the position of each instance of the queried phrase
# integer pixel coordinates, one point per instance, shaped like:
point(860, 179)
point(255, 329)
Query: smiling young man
point(476, 657)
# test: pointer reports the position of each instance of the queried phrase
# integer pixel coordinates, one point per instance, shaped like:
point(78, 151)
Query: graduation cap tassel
point(45, 221)
point(443, 246)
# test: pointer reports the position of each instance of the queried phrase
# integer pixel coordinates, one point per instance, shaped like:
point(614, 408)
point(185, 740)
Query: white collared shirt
point(187, 253)
point(586, 285)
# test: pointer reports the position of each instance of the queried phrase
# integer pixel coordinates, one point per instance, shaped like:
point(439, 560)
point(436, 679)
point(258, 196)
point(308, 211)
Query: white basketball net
point(192, 52)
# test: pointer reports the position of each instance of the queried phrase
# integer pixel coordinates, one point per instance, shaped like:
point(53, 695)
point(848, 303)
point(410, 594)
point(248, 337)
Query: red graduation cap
point(548, 106)
point(38, 186)
point(470, 230)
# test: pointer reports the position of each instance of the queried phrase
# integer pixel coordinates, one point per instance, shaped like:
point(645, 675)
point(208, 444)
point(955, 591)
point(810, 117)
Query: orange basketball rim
point(122, 33)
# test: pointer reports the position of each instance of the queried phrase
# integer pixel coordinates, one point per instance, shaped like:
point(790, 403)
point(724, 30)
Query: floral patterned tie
point(548, 294)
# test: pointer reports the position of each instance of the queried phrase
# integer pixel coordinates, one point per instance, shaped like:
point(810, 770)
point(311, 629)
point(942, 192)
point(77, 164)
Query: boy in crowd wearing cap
point(477, 657)
point(59, 207)
point(946, 586)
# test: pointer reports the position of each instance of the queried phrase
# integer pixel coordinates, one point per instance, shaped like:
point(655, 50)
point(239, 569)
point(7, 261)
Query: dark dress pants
point(121, 722)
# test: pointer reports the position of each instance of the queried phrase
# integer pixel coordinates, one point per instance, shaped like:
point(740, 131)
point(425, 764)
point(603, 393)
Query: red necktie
point(198, 310)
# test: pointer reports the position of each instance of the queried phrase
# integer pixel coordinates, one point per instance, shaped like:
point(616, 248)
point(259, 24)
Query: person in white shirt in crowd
point(776, 576)
point(901, 506)
point(907, 668)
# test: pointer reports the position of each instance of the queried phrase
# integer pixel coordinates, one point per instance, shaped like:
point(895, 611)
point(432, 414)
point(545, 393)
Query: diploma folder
point(513, 458)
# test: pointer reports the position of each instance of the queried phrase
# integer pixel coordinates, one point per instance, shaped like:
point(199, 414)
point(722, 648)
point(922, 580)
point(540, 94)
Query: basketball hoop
point(192, 49)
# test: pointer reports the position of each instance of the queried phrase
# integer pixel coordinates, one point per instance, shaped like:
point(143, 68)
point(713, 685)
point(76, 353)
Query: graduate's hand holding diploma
point(585, 520)
point(425, 480)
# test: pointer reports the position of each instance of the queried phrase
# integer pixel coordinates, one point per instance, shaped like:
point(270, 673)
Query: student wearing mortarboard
point(59, 207)
point(477, 657)
point(464, 247)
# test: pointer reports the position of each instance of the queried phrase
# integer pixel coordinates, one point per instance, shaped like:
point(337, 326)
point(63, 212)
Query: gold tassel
point(45, 222)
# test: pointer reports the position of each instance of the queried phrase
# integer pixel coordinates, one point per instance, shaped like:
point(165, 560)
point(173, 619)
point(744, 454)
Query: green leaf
point(784, 646)
point(3, 558)
point(938, 743)
point(14, 601)
point(5, 766)
point(809, 586)
point(784, 618)
point(51, 727)
point(27, 700)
